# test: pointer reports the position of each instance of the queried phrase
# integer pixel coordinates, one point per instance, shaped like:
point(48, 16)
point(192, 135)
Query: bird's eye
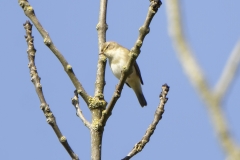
point(106, 47)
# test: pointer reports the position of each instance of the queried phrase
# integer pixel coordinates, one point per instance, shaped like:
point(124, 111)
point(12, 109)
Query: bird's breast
point(116, 69)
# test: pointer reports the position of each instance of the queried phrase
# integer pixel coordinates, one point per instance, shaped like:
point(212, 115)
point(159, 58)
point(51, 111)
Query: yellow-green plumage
point(118, 57)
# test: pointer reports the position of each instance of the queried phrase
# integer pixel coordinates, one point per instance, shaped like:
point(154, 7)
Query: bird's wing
point(128, 85)
point(138, 71)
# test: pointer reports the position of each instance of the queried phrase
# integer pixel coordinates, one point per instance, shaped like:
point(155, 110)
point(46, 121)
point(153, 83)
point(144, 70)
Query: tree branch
point(36, 81)
point(29, 12)
point(75, 103)
point(197, 78)
point(229, 72)
point(157, 117)
point(101, 28)
point(135, 51)
point(97, 103)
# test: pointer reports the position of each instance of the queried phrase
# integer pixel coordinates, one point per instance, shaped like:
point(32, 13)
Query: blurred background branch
point(196, 76)
point(229, 72)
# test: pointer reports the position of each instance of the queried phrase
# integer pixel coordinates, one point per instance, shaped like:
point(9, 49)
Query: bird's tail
point(141, 99)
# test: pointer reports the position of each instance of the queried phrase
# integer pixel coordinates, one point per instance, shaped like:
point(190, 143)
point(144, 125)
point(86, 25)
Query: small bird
point(118, 57)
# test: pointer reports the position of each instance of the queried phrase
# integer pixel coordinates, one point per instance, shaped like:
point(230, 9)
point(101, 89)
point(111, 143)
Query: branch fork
point(96, 104)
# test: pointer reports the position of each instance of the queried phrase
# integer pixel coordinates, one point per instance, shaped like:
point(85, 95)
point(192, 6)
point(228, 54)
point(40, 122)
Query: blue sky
point(185, 132)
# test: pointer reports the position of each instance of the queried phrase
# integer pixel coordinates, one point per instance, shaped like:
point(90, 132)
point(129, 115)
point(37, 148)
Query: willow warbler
point(118, 57)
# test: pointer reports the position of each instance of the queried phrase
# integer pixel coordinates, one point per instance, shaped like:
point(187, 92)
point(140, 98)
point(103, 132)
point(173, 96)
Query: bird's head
point(108, 49)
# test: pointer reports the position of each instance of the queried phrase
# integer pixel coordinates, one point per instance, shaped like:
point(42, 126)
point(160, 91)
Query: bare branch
point(157, 117)
point(97, 104)
point(36, 81)
point(75, 102)
point(28, 10)
point(135, 51)
point(229, 72)
point(101, 28)
point(197, 78)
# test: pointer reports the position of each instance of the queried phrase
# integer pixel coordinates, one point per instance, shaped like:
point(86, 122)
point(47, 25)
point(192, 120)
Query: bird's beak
point(102, 52)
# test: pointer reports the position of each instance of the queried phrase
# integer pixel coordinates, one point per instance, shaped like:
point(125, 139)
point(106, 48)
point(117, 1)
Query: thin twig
point(36, 81)
point(75, 102)
point(197, 78)
point(157, 117)
point(229, 72)
point(29, 12)
point(135, 51)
